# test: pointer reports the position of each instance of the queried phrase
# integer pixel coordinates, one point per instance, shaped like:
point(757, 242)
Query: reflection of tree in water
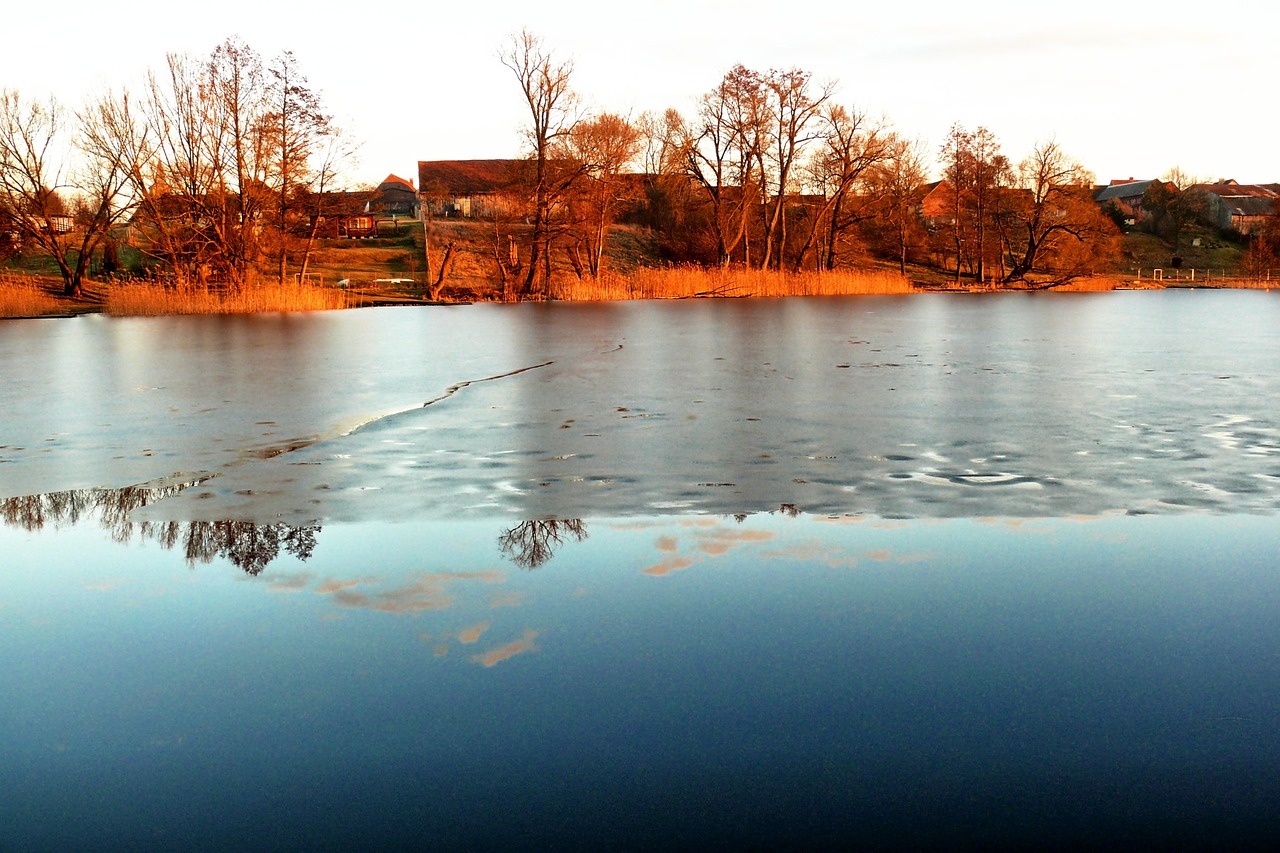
point(247, 545)
point(532, 543)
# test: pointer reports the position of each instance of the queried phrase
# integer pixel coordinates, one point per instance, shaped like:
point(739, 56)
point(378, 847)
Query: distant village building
point(471, 189)
point(395, 197)
point(1126, 196)
point(938, 204)
point(1239, 207)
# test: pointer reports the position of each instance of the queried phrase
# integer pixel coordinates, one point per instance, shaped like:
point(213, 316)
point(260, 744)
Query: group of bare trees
point(575, 177)
point(218, 165)
point(1003, 222)
point(769, 170)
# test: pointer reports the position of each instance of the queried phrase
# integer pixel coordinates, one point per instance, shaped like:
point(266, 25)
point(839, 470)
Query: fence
point(1209, 277)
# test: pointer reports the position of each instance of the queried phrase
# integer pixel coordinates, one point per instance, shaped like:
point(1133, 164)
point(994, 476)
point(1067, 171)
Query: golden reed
point(23, 297)
point(149, 299)
point(689, 282)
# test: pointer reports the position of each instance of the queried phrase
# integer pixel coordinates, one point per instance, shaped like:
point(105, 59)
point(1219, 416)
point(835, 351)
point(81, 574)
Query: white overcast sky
point(1128, 88)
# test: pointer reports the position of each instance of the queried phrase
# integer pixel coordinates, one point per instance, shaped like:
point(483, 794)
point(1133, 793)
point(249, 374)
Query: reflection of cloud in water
point(814, 552)
point(721, 541)
point(510, 650)
point(710, 537)
point(335, 586)
point(888, 555)
point(426, 592)
point(467, 636)
point(669, 565)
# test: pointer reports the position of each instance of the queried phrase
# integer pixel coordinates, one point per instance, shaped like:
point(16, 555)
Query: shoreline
point(92, 303)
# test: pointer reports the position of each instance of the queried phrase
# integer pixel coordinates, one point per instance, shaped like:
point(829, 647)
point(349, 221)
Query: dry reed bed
point(689, 282)
point(22, 297)
point(148, 299)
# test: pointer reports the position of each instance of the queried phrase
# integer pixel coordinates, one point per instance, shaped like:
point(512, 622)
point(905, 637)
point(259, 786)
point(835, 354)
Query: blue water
point(1081, 656)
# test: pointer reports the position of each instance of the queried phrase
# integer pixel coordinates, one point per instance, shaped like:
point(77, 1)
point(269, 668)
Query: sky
point(1129, 89)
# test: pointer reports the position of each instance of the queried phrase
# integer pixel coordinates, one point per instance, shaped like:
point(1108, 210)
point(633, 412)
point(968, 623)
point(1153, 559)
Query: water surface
point(883, 571)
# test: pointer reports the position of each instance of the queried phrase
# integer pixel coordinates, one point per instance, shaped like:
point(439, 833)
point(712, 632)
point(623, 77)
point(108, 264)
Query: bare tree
point(297, 129)
point(237, 89)
point(36, 150)
point(1060, 226)
point(196, 161)
point(897, 183)
point(335, 152)
point(721, 151)
point(793, 105)
point(977, 172)
point(849, 149)
point(544, 82)
point(1174, 202)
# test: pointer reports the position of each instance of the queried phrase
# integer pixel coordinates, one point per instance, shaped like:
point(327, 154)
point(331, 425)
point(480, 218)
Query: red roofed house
point(394, 196)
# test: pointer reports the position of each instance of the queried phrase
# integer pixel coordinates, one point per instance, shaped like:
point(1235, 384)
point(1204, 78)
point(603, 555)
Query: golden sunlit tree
point(602, 148)
point(1059, 229)
point(849, 148)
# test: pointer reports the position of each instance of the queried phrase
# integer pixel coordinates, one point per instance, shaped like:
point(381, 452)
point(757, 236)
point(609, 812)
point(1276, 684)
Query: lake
point(886, 571)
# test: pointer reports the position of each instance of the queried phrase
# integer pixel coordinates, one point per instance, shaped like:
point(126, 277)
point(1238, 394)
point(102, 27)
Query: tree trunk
point(435, 289)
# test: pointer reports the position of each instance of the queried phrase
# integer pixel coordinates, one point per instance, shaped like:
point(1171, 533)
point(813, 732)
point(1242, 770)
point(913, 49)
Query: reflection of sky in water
point(498, 617)
point(690, 674)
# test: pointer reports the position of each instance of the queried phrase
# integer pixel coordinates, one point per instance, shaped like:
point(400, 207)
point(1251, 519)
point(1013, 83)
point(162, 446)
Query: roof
point(396, 182)
point(465, 177)
point(1233, 190)
point(1244, 199)
point(1127, 189)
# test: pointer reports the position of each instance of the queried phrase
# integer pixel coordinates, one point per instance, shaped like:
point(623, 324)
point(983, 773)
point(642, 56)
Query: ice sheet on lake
point(932, 406)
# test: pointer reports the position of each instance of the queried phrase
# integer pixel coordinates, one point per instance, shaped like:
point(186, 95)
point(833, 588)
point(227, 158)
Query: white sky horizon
point(1129, 90)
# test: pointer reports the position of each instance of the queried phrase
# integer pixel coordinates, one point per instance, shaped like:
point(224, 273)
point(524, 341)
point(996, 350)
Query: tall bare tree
point(897, 185)
point(553, 113)
point(721, 150)
point(977, 173)
point(297, 130)
point(197, 162)
point(850, 148)
point(793, 106)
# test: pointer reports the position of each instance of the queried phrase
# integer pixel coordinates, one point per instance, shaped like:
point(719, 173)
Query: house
point(338, 214)
point(394, 197)
point(1239, 207)
point(1126, 196)
point(938, 204)
point(467, 188)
